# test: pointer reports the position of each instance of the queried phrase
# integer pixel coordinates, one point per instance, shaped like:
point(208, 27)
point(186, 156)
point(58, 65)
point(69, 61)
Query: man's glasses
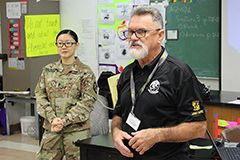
point(139, 33)
point(66, 44)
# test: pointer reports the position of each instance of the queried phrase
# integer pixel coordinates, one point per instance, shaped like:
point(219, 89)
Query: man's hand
point(57, 125)
point(143, 140)
point(118, 137)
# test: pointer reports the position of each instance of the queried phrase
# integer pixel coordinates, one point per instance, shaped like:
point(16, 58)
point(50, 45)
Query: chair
point(99, 117)
point(231, 134)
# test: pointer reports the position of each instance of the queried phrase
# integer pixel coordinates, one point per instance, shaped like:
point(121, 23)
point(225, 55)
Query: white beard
point(138, 53)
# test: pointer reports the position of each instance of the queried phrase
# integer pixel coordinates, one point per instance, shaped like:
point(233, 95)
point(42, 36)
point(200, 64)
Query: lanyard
point(132, 83)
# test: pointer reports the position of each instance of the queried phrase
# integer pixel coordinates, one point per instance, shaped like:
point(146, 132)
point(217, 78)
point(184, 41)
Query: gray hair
point(144, 10)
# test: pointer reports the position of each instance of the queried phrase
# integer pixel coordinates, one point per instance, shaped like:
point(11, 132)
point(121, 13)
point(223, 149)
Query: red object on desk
point(238, 121)
point(215, 125)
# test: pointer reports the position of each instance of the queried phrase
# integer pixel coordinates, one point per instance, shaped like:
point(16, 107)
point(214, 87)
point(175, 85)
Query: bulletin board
point(113, 18)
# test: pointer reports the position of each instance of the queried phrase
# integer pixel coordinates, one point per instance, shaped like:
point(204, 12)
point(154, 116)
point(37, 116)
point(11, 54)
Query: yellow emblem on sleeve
point(196, 108)
point(195, 105)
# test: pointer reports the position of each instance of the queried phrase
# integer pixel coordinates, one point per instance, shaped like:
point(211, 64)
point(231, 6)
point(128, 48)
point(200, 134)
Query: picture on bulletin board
point(14, 38)
point(40, 33)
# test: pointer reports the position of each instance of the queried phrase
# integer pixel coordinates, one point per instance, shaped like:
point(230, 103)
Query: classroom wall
point(230, 75)
point(80, 16)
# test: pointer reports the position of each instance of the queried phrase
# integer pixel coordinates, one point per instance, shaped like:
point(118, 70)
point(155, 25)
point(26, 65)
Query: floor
point(18, 146)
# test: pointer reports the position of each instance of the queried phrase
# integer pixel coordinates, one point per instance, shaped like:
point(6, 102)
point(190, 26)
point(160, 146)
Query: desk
point(10, 100)
point(218, 103)
point(100, 148)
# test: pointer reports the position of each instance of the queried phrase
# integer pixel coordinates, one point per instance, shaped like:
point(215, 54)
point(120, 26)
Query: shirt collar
point(74, 67)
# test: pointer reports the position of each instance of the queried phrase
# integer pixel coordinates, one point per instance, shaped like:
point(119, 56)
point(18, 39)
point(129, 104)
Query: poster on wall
point(123, 11)
point(106, 16)
point(140, 2)
point(40, 34)
point(13, 10)
point(14, 38)
point(15, 63)
point(107, 54)
point(106, 36)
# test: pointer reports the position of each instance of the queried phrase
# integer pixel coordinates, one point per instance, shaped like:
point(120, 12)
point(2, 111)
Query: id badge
point(133, 121)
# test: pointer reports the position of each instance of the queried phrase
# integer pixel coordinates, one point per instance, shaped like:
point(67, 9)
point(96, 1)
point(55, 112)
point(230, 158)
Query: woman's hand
point(57, 124)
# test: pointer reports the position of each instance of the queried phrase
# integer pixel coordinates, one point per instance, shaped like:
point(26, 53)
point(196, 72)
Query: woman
point(65, 95)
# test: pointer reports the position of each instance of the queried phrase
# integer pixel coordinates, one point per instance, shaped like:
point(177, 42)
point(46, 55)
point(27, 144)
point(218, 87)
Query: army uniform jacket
point(67, 92)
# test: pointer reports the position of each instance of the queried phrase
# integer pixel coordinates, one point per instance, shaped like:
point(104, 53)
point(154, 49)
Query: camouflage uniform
point(67, 92)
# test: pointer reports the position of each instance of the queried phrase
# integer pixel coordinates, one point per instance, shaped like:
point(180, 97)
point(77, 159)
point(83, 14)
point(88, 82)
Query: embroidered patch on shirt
point(154, 87)
point(195, 105)
point(196, 108)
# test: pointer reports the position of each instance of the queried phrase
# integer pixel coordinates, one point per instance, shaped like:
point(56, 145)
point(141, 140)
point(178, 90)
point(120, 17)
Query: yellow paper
point(222, 123)
point(112, 82)
point(40, 34)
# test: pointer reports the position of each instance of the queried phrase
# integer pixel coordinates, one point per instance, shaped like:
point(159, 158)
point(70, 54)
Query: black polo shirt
point(171, 97)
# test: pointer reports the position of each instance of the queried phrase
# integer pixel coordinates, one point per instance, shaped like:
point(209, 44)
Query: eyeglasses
point(139, 33)
point(67, 44)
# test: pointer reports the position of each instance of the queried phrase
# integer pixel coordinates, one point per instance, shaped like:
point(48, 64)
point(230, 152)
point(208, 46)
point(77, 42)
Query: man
point(159, 107)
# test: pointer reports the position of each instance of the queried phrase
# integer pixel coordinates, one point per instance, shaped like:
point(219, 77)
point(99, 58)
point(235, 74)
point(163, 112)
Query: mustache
point(135, 43)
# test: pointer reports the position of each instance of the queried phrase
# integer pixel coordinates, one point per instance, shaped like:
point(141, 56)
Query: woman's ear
point(77, 45)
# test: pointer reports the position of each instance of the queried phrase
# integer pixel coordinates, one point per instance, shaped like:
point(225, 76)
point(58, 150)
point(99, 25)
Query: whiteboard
point(80, 16)
point(230, 55)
